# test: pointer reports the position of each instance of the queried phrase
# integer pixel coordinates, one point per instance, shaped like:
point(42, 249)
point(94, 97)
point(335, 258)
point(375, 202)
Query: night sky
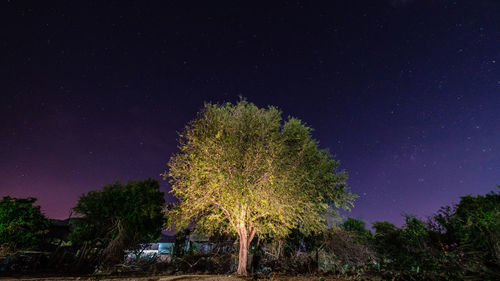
point(406, 94)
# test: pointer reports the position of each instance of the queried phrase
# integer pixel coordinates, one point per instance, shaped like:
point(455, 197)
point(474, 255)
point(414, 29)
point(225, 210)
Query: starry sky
point(406, 94)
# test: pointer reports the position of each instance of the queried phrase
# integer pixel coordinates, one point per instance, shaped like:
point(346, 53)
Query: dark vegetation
point(22, 225)
point(459, 242)
point(106, 224)
point(255, 194)
point(118, 218)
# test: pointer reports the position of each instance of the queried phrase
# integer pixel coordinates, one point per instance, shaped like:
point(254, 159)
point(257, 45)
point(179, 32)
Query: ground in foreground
point(191, 278)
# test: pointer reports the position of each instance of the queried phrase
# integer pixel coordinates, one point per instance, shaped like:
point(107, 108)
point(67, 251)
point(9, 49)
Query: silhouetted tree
point(470, 234)
point(358, 227)
point(119, 217)
point(22, 225)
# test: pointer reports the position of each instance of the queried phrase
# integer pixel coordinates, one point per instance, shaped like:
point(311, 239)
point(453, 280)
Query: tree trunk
point(246, 234)
point(243, 254)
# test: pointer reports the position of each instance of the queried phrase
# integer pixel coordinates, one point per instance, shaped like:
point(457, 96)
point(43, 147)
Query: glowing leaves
point(241, 166)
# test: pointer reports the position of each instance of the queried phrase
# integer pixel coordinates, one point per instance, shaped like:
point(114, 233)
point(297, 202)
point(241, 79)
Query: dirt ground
point(190, 278)
point(151, 278)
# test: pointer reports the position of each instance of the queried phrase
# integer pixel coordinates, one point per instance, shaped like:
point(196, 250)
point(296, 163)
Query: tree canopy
point(22, 225)
point(472, 227)
point(356, 226)
point(119, 217)
point(242, 170)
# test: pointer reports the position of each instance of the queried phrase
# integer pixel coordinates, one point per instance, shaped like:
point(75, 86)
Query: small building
point(163, 247)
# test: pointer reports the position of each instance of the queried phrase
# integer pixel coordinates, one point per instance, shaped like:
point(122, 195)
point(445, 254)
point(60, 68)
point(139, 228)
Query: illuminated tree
point(241, 170)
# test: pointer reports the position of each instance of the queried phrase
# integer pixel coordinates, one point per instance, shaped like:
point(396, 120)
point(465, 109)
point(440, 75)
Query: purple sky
point(406, 94)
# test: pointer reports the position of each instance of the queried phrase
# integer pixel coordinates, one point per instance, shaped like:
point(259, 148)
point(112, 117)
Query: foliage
point(358, 227)
point(240, 170)
point(460, 242)
point(470, 235)
point(386, 239)
point(341, 250)
point(346, 252)
point(334, 251)
point(119, 217)
point(22, 225)
point(408, 252)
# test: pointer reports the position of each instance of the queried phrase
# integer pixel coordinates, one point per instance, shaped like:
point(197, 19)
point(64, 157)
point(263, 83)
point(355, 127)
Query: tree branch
point(226, 212)
point(252, 234)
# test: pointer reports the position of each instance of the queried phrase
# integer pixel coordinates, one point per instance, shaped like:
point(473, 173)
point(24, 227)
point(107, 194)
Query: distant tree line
point(459, 242)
